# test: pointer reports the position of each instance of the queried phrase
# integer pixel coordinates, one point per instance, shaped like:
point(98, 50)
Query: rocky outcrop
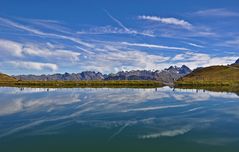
point(167, 75)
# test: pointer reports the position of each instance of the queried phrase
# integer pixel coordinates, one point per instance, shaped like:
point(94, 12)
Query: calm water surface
point(116, 120)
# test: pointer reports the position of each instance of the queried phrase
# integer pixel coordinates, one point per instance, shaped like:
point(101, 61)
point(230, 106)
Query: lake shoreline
point(115, 84)
point(143, 84)
point(85, 84)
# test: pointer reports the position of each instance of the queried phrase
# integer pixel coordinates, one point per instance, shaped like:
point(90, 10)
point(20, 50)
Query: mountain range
point(168, 75)
point(181, 75)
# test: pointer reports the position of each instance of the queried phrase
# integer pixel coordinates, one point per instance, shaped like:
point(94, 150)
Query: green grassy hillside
point(214, 75)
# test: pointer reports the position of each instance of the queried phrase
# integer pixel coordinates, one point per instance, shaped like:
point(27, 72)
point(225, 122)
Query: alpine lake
point(118, 120)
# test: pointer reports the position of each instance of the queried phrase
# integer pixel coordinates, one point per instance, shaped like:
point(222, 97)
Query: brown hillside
point(6, 78)
point(218, 75)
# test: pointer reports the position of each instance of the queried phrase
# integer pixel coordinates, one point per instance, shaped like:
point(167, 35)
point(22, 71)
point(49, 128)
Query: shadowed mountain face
point(167, 76)
point(237, 61)
point(87, 75)
point(66, 76)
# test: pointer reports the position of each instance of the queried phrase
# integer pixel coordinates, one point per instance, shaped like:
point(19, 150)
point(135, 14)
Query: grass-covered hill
point(214, 75)
point(6, 78)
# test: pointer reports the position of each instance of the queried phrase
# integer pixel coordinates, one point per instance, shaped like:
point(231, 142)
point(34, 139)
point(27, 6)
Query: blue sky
point(51, 36)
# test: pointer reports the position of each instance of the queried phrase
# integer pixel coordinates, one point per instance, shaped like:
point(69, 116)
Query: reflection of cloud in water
point(156, 108)
point(217, 141)
point(11, 107)
point(13, 104)
point(26, 90)
point(167, 133)
point(110, 108)
point(111, 99)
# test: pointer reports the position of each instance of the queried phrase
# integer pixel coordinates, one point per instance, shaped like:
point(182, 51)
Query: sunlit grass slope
point(6, 78)
point(214, 75)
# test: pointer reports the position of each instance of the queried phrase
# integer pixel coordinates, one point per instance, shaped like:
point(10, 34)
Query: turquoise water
point(116, 120)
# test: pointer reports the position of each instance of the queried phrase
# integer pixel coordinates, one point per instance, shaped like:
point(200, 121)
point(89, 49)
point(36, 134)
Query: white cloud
point(191, 56)
point(106, 56)
point(17, 49)
point(117, 21)
point(10, 47)
point(102, 30)
point(155, 108)
point(220, 12)
point(126, 29)
point(196, 45)
point(114, 30)
point(234, 42)
point(194, 60)
point(154, 46)
point(51, 54)
point(114, 60)
point(34, 65)
point(171, 20)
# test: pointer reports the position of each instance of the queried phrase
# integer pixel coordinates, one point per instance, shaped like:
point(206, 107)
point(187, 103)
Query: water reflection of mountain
point(143, 113)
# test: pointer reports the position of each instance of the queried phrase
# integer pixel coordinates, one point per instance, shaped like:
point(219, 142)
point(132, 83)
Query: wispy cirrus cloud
point(117, 21)
point(104, 30)
point(16, 25)
point(102, 48)
point(126, 29)
point(170, 21)
point(219, 12)
point(233, 42)
point(195, 45)
point(154, 46)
